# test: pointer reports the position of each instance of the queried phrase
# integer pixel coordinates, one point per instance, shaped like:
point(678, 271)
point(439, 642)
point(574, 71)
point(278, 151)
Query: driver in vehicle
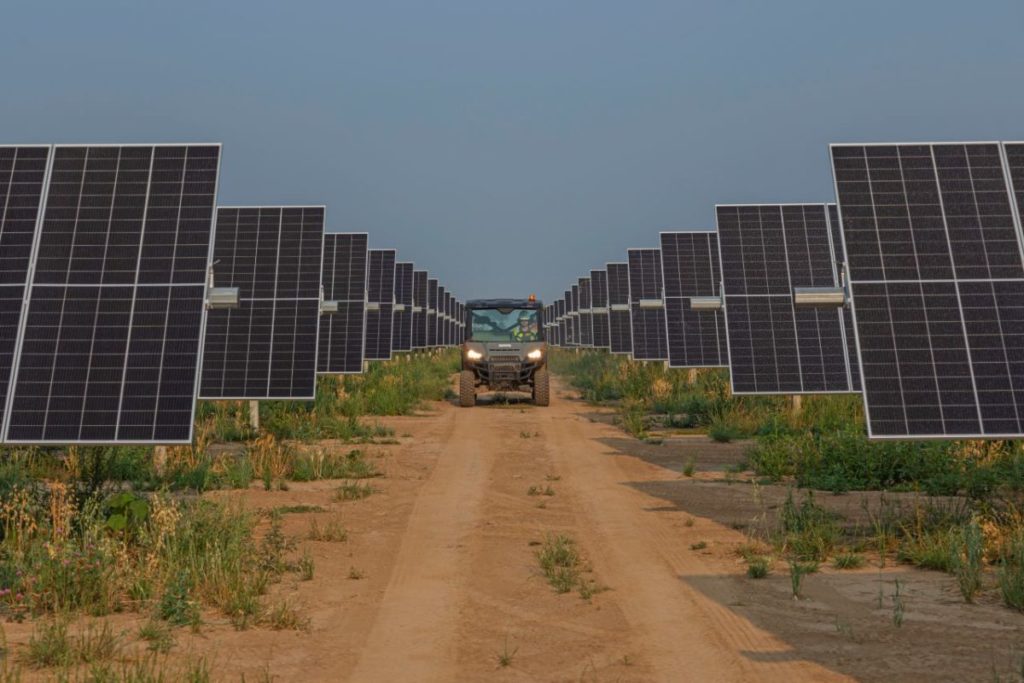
point(525, 330)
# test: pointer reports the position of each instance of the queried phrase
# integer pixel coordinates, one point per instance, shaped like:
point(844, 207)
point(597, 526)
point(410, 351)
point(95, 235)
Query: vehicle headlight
point(536, 354)
point(473, 354)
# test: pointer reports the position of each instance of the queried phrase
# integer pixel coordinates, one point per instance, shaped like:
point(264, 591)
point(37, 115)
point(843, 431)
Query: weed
point(505, 656)
point(296, 509)
point(689, 522)
point(158, 635)
point(690, 467)
point(966, 559)
point(332, 531)
point(560, 562)
point(49, 645)
point(797, 572)
point(699, 545)
point(552, 477)
point(848, 561)
point(356, 574)
point(284, 616)
point(897, 604)
point(1011, 574)
point(809, 532)
point(306, 566)
point(758, 567)
point(176, 604)
point(353, 491)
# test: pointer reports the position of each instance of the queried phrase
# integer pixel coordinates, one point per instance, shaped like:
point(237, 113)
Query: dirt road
point(438, 579)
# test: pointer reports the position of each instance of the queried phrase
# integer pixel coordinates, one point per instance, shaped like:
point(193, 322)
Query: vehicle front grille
point(505, 359)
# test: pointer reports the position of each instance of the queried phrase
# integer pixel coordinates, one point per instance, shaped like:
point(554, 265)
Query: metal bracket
point(219, 297)
point(831, 297)
point(705, 303)
point(651, 304)
point(328, 307)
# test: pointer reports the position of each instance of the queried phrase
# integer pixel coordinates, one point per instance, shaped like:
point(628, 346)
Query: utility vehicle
point(504, 349)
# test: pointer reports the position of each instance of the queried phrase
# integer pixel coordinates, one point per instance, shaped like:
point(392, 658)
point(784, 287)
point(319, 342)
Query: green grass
point(758, 567)
point(353, 491)
point(560, 562)
point(848, 560)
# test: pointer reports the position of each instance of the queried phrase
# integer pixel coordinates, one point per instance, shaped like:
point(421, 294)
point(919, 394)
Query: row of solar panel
point(909, 290)
point(109, 256)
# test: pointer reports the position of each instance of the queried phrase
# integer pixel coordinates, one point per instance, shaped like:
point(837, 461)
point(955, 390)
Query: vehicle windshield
point(504, 325)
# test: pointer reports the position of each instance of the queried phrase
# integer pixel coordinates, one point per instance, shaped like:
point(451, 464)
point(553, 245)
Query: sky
point(510, 147)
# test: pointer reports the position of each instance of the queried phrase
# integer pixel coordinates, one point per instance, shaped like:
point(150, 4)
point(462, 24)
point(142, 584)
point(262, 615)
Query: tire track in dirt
point(676, 626)
point(413, 630)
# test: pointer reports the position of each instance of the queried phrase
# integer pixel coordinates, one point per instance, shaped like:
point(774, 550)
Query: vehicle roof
point(503, 303)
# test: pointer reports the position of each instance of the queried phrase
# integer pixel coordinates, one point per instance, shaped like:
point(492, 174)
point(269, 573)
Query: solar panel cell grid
point(267, 347)
point(936, 276)
point(136, 219)
point(344, 280)
point(690, 268)
point(650, 340)
point(381, 291)
point(775, 346)
point(619, 317)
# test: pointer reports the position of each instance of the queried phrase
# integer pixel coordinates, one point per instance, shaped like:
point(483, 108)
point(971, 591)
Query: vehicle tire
point(467, 389)
point(541, 390)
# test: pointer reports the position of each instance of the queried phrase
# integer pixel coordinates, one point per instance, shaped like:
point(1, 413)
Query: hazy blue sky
point(509, 147)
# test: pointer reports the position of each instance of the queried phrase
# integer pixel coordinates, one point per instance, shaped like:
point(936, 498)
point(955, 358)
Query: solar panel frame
point(849, 331)
point(943, 280)
point(419, 311)
point(620, 315)
point(380, 290)
point(431, 319)
point(689, 348)
point(348, 324)
point(647, 328)
point(775, 311)
point(178, 283)
point(253, 304)
point(401, 325)
point(586, 313)
point(599, 307)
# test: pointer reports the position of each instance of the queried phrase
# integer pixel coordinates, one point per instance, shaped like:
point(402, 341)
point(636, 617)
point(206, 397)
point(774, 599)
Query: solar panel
point(689, 262)
point(22, 182)
point(647, 305)
point(620, 325)
point(599, 307)
point(342, 334)
point(419, 311)
point(563, 323)
point(401, 331)
point(432, 292)
point(849, 332)
point(442, 303)
point(380, 297)
point(586, 319)
point(267, 347)
point(776, 347)
point(934, 261)
point(446, 310)
point(572, 311)
point(110, 345)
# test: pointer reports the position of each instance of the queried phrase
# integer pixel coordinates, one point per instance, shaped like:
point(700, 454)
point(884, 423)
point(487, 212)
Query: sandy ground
point(446, 546)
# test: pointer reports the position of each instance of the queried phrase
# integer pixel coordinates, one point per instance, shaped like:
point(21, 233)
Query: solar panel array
point(775, 346)
point(267, 347)
point(419, 310)
point(586, 319)
point(380, 297)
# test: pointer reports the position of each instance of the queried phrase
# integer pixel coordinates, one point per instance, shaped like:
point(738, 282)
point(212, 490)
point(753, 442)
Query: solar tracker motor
point(505, 350)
